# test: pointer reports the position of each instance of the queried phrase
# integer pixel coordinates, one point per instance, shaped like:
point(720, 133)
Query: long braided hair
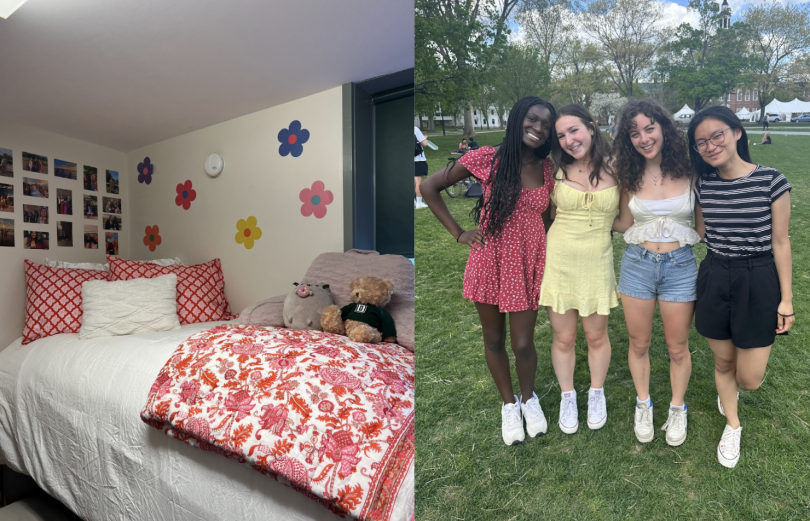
point(630, 164)
point(504, 181)
point(599, 151)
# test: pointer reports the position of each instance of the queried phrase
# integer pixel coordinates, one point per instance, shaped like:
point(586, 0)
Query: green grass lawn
point(464, 470)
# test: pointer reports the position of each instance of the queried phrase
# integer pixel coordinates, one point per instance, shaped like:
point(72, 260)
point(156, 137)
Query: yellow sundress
point(579, 253)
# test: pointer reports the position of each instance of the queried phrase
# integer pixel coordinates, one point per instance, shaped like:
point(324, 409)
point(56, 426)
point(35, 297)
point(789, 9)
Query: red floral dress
point(508, 270)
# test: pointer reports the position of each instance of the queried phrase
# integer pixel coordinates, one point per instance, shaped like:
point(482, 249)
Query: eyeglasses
point(716, 139)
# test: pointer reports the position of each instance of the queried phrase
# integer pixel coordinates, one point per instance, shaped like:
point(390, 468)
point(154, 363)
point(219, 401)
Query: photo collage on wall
point(38, 203)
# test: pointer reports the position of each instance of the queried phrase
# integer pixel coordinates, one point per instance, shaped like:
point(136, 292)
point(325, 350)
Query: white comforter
point(69, 417)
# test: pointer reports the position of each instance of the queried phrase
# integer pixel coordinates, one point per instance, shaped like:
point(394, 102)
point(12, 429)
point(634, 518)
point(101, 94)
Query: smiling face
point(646, 136)
point(536, 126)
point(575, 136)
point(711, 131)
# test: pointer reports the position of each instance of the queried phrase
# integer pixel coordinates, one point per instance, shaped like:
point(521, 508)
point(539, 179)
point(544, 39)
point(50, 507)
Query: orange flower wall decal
point(152, 238)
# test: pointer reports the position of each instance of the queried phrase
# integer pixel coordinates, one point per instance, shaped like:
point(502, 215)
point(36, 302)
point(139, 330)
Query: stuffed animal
point(305, 304)
point(364, 320)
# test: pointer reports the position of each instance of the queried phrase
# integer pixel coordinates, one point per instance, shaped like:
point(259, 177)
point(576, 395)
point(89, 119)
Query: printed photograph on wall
point(64, 233)
point(111, 241)
point(112, 182)
point(64, 201)
point(7, 232)
point(90, 237)
point(65, 169)
point(112, 222)
point(6, 163)
point(35, 163)
point(112, 205)
point(35, 214)
point(6, 198)
point(90, 178)
point(90, 207)
point(34, 187)
point(35, 240)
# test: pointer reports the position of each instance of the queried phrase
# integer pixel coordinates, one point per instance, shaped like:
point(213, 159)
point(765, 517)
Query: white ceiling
point(127, 73)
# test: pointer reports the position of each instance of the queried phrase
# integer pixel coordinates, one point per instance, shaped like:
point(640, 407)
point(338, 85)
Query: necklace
point(656, 177)
point(531, 161)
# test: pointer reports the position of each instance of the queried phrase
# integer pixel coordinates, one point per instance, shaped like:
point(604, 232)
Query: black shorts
point(421, 168)
point(737, 299)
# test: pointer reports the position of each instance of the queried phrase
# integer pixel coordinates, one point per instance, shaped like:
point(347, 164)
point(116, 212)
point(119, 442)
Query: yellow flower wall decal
point(248, 232)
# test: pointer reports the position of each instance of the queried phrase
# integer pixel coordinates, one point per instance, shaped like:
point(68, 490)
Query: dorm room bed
point(70, 417)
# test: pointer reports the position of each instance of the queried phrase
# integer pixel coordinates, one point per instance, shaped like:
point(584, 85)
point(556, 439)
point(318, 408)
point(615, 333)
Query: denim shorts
point(670, 276)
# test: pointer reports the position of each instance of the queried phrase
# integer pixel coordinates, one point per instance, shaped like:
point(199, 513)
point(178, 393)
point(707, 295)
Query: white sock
point(569, 394)
point(681, 407)
point(647, 402)
point(596, 390)
point(418, 200)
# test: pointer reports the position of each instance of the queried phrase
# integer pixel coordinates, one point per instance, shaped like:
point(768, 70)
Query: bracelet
point(781, 315)
point(459, 235)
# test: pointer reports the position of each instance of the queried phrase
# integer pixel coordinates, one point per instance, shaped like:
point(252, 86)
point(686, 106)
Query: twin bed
point(71, 417)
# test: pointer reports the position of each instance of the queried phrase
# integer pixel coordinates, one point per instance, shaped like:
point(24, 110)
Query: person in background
point(612, 130)
point(420, 164)
point(462, 147)
point(766, 140)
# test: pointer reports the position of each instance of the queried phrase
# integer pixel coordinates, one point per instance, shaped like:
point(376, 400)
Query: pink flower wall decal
point(315, 200)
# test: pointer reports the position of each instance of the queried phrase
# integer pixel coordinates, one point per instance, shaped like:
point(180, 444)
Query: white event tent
point(787, 108)
point(743, 114)
point(685, 111)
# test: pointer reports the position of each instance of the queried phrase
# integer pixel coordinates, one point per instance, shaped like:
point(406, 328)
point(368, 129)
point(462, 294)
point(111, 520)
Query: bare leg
point(418, 181)
point(563, 355)
point(638, 314)
point(493, 324)
point(751, 365)
point(521, 334)
point(677, 318)
point(596, 335)
point(725, 377)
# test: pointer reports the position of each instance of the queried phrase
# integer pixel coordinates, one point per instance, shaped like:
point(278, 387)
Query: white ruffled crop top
point(665, 220)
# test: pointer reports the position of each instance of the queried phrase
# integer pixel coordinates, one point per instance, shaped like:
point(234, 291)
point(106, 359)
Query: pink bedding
point(331, 418)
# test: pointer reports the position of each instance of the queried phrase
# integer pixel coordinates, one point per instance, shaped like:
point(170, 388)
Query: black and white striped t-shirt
point(737, 212)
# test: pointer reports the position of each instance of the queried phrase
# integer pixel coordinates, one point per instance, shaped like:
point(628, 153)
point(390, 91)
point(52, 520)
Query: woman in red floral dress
point(508, 250)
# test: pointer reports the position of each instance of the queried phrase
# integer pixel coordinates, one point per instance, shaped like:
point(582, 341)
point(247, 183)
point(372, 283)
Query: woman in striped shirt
point(744, 287)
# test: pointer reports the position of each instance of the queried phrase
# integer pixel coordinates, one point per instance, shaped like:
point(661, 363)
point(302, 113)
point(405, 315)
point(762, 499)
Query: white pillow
point(124, 307)
point(106, 267)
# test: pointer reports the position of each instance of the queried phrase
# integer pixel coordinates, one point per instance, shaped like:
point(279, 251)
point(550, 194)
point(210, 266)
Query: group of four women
point(544, 239)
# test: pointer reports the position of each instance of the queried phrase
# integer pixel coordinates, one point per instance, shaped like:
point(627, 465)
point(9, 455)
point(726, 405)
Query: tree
point(630, 34)
point(548, 28)
point(460, 37)
point(706, 62)
point(580, 73)
point(604, 105)
point(778, 32)
point(520, 72)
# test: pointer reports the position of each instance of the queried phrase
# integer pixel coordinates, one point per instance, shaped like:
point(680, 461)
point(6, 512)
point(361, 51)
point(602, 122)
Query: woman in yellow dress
point(579, 282)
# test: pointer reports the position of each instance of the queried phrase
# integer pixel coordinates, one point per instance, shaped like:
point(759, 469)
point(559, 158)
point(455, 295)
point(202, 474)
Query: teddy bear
point(364, 320)
point(305, 303)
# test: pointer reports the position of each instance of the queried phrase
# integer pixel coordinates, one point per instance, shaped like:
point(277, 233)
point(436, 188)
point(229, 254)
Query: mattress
point(69, 417)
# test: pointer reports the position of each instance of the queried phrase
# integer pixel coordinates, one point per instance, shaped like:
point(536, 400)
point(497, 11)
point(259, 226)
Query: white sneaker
point(597, 409)
point(728, 451)
point(720, 404)
point(675, 426)
point(533, 414)
point(512, 423)
point(569, 416)
point(643, 424)
point(420, 205)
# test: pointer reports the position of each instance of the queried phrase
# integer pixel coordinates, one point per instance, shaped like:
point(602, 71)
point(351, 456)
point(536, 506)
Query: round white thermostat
point(214, 165)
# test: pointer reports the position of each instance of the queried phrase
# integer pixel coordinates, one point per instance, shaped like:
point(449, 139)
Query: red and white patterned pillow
point(200, 288)
point(54, 299)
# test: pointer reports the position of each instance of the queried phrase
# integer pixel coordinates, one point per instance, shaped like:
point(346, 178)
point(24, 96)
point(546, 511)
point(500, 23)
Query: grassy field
point(465, 472)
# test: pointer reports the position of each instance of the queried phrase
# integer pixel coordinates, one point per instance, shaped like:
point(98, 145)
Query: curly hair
point(726, 116)
point(630, 163)
point(599, 152)
point(505, 185)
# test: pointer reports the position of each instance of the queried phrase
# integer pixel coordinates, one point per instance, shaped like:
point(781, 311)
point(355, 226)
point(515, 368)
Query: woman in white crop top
point(655, 215)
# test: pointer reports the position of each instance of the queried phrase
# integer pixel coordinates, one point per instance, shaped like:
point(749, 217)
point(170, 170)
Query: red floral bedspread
point(331, 418)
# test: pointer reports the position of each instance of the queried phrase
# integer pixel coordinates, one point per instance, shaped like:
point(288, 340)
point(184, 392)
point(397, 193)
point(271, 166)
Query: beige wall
point(12, 281)
point(256, 181)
